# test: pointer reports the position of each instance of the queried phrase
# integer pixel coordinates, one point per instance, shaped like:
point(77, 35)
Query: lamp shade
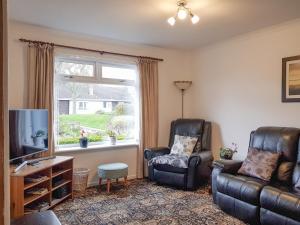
point(183, 84)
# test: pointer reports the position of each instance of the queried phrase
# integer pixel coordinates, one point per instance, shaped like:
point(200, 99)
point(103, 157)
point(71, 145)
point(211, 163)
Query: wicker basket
point(80, 179)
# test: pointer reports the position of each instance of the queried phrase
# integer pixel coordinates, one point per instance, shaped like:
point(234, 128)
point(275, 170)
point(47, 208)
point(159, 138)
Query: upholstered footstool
point(112, 171)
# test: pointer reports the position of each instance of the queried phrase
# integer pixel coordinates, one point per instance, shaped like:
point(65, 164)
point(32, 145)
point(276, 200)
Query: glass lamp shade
point(182, 13)
point(195, 19)
point(183, 85)
point(172, 21)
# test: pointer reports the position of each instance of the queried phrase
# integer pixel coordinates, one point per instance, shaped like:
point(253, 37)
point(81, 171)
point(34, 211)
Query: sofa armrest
point(198, 157)
point(150, 153)
point(227, 166)
point(223, 166)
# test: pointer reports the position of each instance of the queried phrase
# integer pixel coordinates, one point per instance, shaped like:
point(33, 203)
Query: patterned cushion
point(260, 164)
point(183, 145)
point(180, 161)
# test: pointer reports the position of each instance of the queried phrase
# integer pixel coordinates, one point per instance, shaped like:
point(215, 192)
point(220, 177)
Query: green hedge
point(75, 140)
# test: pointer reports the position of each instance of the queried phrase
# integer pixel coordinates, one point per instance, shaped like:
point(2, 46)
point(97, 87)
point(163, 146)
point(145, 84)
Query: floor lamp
point(183, 86)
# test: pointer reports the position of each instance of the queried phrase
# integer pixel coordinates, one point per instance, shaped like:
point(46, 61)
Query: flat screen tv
point(28, 133)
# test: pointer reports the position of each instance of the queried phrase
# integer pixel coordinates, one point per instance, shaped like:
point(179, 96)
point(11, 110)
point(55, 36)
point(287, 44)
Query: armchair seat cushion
point(240, 187)
point(281, 202)
point(180, 161)
point(168, 168)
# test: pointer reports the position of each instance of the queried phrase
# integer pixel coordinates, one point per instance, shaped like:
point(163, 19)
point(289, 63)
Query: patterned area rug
point(142, 202)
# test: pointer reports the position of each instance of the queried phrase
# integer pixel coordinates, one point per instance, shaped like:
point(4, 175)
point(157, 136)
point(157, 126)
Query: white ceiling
point(144, 21)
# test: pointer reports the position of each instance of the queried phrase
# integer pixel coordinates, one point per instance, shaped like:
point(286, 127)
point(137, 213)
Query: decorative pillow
point(285, 171)
point(183, 145)
point(259, 164)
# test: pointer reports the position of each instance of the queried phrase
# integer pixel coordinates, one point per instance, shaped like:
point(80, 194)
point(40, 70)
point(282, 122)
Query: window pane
point(97, 109)
point(118, 73)
point(75, 68)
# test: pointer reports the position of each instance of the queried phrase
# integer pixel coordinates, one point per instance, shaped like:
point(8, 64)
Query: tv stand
point(31, 162)
point(51, 175)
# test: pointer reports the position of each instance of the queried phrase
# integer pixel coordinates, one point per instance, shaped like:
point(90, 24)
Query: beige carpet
point(143, 202)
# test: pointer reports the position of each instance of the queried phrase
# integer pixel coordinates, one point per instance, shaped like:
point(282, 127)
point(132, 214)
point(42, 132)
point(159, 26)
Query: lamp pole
point(182, 102)
point(182, 86)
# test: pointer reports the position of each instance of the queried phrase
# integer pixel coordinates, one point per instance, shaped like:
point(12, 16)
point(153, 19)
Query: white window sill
point(100, 147)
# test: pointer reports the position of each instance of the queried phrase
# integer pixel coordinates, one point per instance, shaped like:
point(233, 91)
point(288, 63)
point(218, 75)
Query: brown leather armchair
point(199, 163)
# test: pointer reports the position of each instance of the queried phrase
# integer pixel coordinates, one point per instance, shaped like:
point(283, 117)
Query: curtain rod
point(89, 50)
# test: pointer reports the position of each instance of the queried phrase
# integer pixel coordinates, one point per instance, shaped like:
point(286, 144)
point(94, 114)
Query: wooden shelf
point(56, 201)
point(32, 198)
point(30, 185)
point(61, 165)
point(55, 174)
point(60, 185)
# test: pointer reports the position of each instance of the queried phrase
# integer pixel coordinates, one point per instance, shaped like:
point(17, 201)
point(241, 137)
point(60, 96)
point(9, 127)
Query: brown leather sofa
point(256, 201)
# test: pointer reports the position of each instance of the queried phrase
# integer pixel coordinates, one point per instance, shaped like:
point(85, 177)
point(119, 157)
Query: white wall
point(237, 84)
point(176, 66)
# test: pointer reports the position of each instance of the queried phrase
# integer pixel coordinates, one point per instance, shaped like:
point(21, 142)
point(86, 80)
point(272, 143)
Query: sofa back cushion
point(277, 139)
point(296, 172)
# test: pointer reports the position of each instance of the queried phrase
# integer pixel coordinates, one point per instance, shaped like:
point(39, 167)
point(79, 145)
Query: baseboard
point(95, 183)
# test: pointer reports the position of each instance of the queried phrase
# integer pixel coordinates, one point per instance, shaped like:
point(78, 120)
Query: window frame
point(78, 61)
point(96, 79)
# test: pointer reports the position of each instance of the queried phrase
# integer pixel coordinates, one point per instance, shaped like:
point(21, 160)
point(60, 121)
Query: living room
point(119, 79)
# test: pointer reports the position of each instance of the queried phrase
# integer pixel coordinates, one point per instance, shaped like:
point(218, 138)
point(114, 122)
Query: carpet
point(142, 202)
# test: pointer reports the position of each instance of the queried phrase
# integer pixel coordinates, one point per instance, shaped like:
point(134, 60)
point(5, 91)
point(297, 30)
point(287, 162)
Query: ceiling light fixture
point(182, 12)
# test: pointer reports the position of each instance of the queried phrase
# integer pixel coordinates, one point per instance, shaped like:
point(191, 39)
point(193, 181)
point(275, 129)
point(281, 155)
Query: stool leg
point(100, 180)
point(125, 181)
point(108, 185)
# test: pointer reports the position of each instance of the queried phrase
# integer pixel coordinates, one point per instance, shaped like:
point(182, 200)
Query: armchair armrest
point(227, 166)
point(150, 153)
point(198, 157)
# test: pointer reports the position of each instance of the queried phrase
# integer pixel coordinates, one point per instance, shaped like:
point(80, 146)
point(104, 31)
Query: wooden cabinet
point(57, 173)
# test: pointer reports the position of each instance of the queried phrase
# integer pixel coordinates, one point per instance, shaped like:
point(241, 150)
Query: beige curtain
point(148, 71)
point(40, 83)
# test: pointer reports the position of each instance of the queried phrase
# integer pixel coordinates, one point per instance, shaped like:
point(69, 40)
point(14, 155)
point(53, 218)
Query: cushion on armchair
point(179, 156)
point(183, 145)
point(260, 164)
point(180, 161)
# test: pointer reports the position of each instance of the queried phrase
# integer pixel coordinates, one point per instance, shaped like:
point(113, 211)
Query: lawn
point(98, 121)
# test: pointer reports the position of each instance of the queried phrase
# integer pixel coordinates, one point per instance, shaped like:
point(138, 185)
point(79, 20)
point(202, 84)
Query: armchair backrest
point(193, 128)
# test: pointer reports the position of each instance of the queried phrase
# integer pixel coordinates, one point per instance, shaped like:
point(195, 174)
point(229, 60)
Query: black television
point(28, 133)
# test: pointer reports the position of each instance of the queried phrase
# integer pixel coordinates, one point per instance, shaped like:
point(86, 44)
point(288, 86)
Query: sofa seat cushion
point(281, 202)
point(180, 161)
point(244, 188)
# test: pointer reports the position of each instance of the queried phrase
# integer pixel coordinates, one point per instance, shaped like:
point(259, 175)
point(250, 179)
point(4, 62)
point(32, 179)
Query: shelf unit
point(59, 168)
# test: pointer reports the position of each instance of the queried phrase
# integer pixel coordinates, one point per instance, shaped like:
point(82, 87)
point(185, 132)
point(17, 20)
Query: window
point(67, 67)
point(82, 105)
point(98, 98)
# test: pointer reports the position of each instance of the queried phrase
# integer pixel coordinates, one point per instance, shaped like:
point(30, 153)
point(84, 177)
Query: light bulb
point(195, 19)
point(182, 13)
point(172, 21)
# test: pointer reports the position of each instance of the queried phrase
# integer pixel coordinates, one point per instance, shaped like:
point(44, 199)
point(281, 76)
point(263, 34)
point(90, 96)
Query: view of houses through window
point(95, 107)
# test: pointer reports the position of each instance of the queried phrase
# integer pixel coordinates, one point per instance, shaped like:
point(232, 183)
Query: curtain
point(148, 72)
point(40, 83)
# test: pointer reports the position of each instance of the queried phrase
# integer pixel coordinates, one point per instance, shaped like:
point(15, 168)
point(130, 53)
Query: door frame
point(4, 165)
